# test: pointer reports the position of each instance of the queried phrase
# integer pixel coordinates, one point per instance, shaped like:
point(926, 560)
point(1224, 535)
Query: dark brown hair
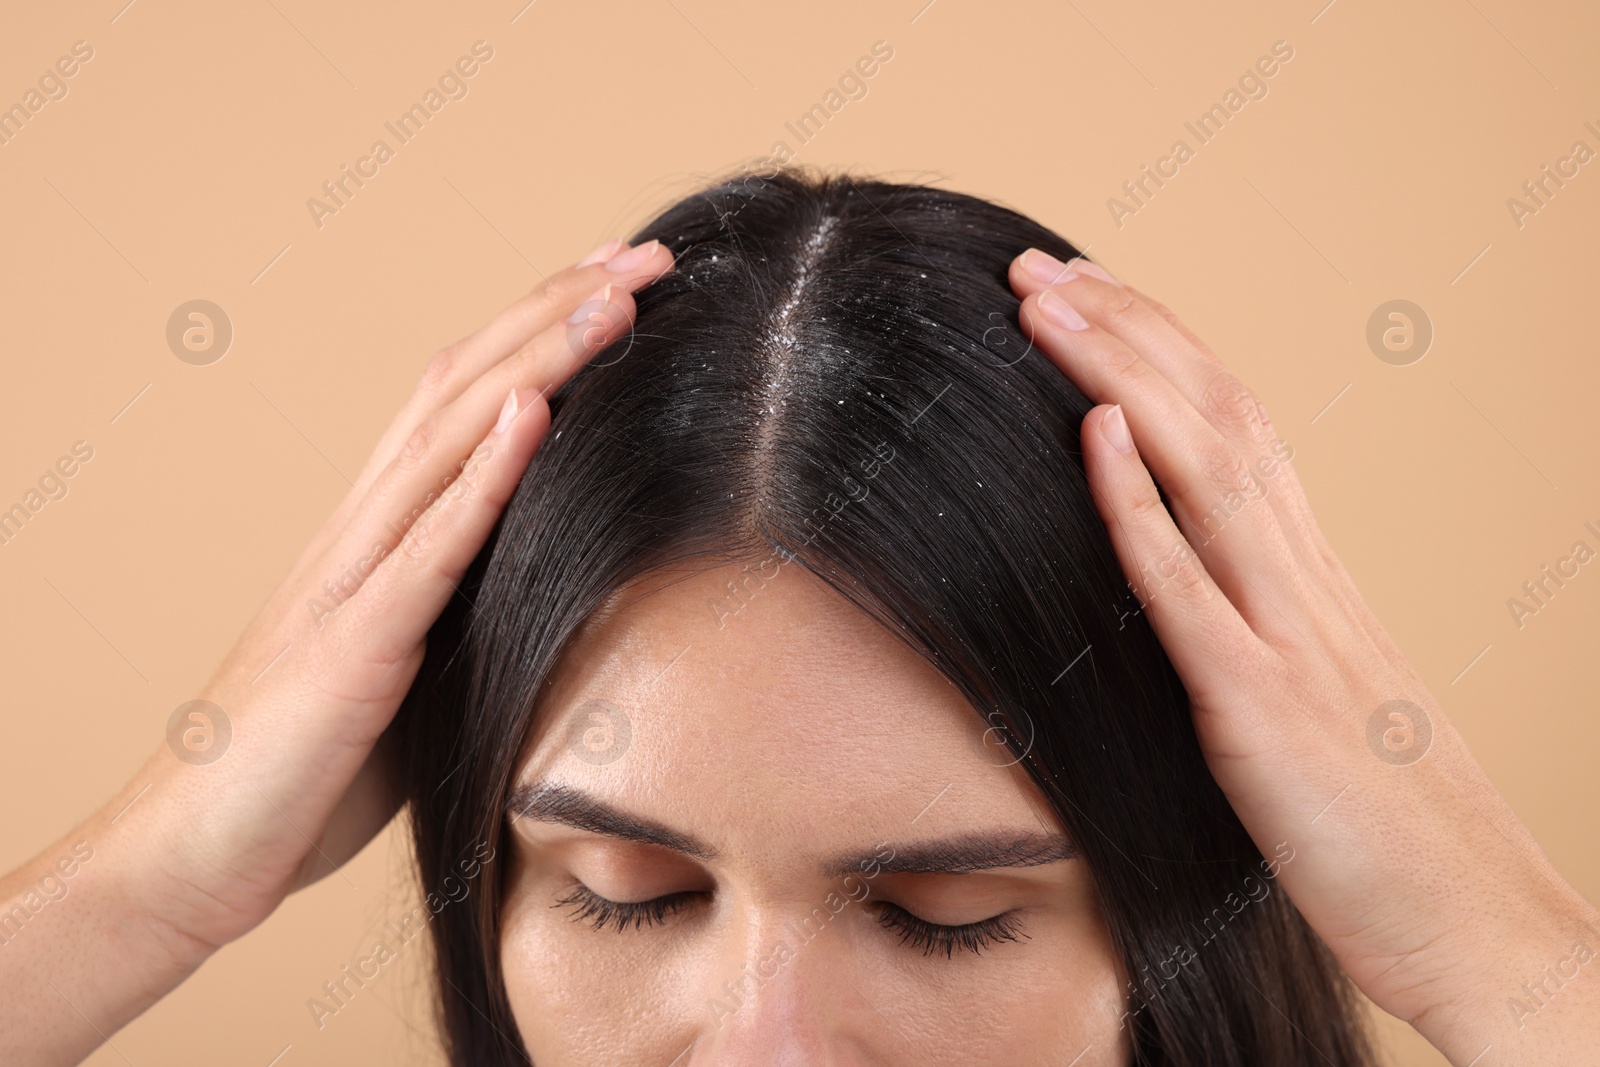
point(833, 373)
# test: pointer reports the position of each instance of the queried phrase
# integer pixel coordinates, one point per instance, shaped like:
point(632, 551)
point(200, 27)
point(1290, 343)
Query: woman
point(836, 686)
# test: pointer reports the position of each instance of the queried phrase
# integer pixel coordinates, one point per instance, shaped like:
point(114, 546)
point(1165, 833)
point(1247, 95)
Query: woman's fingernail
point(508, 412)
point(598, 300)
point(633, 258)
point(1115, 428)
point(1093, 270)
point(605, 251)
point(1057, 310)
point(1044, 267)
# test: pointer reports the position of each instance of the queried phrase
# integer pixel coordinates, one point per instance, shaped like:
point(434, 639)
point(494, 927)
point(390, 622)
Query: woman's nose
point(783, 996)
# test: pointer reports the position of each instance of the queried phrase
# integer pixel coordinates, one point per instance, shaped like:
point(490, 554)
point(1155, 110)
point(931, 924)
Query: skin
point(1443, 917)
point(836, 740)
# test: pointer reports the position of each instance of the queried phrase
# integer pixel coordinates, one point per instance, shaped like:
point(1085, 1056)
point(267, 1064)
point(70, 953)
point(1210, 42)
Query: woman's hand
point(1433, 896)
point(239, 809)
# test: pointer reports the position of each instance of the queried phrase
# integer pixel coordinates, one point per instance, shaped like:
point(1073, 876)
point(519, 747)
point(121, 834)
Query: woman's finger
point(1215, 487)
point(1197, 624)
point(1151, 329)
point(1193, 370)
point(457, 366)
point(453, 369)
point(1156, 334)
point(1288, 494)
point(386, 622)
point(442, 446)
point(336, 694)
point(1177, 324)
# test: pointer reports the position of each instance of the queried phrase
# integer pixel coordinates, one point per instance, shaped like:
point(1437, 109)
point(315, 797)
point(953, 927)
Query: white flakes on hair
point(781, 338)
point(780, 342)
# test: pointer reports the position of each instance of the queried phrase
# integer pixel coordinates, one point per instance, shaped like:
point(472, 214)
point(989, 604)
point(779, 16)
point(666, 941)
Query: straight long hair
point(833, 377)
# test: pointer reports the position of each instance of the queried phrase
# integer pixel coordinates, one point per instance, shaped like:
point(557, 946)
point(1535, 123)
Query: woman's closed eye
point(600, 912)
point(935, 937)
point(912, 931)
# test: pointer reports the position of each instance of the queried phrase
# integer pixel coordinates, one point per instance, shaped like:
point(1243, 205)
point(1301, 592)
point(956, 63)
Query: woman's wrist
point(91, 935)
point(1530, 994)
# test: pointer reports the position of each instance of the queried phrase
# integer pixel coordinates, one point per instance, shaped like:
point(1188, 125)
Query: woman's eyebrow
point(961, 855)
point(563, 804)
point(573, 807)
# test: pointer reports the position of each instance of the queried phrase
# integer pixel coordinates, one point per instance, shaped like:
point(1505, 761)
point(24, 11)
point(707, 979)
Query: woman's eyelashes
point(600, 912)
point(913, 932)
point(933, 937)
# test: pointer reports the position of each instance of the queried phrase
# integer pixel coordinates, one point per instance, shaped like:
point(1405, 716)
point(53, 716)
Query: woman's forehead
point(797, 700)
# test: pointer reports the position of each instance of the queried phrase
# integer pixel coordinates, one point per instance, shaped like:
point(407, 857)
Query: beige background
point(178, 166)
